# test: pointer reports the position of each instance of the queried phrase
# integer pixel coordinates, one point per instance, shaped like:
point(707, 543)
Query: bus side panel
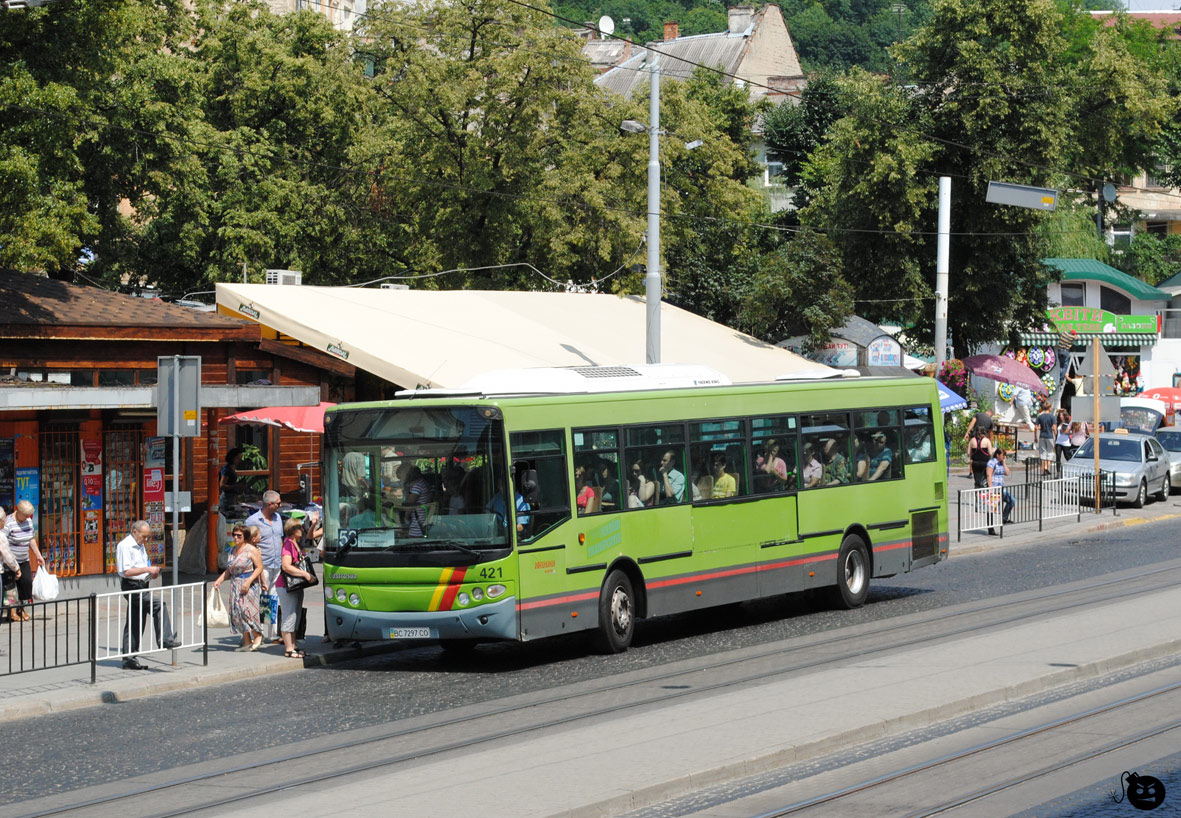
point(546, 604)
point(724, 567)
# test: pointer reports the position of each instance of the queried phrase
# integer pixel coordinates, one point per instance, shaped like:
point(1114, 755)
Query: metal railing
point(176, 611)
point(56, 634)
point(995, 507)
point(83, 630)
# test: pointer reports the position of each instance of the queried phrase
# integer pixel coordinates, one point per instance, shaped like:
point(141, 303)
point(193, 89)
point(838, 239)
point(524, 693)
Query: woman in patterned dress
point(244, 571)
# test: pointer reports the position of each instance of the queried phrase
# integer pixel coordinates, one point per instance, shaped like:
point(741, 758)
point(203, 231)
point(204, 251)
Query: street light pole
point(652, 282)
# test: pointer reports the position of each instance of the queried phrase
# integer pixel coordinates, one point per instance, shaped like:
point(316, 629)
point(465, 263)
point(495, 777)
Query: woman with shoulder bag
point(244, 571)
point(291, 602)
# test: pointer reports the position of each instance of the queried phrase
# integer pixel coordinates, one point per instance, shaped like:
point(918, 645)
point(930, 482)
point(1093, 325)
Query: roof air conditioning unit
point(388, 286)
point(290, 277)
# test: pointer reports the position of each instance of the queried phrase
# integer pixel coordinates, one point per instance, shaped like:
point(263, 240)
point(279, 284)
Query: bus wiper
point(458, 546)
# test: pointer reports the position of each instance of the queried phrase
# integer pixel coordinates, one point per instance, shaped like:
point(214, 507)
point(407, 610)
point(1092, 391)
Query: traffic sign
point(1035, 198)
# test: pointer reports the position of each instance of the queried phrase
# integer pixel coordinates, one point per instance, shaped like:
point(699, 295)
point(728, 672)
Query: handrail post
point(204, 625)
point(959, 515)
point(1041, 509)
point(93, 638)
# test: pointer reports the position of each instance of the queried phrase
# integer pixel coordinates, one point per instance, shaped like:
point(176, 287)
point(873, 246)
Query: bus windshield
point(415, 480)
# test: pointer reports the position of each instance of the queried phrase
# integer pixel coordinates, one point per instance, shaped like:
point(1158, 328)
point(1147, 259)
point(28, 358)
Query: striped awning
point(1109, 339)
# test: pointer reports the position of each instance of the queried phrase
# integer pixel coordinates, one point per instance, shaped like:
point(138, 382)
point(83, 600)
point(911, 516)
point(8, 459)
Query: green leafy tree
point(996, 96)
point(93, 112)
point(1151, 258)
point(798, 290)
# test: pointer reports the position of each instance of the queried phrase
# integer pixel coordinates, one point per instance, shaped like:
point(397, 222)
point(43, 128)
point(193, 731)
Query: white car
point(1171, 440)
point(1141, 465)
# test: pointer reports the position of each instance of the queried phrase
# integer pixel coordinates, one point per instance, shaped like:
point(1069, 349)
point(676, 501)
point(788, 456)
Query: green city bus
point(464, 516)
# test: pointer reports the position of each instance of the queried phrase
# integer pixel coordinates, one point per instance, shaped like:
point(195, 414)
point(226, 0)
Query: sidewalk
point(1053, 530)
point(59, 689)
point(55, 690)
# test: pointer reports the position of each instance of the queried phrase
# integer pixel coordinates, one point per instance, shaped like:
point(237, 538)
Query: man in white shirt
point(135, 572)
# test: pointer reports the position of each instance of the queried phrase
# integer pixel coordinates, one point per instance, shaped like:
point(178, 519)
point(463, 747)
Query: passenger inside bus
point(671, 486)
point(813, 470)
point(725, 484)
point(584, 493)
point(880, 458)
point(836, 465)
point(770, 469)
point(608, 481)
point(861, 447)
point(418, 494)
point(644, 486)
point(453, 499)
point(497, 506)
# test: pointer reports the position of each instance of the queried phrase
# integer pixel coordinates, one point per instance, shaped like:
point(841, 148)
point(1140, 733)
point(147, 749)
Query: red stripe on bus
point(892, 546)
point(452, 588)
point(746, 569)
point(541, 603)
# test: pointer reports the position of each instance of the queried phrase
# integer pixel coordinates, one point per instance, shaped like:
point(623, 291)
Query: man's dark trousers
point(136, 620)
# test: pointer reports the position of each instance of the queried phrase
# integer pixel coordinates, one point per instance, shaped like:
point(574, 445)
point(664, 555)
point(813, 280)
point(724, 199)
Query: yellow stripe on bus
point(438, 595)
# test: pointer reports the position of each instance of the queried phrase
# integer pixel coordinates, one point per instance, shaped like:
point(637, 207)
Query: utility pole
point(942, 269)
point(652, 282)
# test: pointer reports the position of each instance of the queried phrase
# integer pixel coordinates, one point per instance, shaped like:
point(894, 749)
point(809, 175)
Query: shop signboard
point(834, 353)
point(884, 351)
point(1091, 320)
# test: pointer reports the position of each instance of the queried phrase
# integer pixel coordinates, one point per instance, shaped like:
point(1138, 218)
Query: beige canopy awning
point(425, 338)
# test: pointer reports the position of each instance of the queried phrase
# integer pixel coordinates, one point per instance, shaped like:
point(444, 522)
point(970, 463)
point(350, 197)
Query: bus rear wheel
point(852, 573)
point(617, 613)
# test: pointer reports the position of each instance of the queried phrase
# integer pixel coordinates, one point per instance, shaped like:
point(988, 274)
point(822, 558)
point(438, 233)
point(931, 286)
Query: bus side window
point(596, 458)
point(656, 459)
point(717, 463)
point(773, 455)
point(920, 435)
point(539, 460)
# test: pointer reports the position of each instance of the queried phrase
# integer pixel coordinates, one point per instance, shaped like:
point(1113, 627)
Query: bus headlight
point(462, 599)
point(340, 594)
point(354, 599)
point(328, 592)
point(477, 594)
point(495, 591)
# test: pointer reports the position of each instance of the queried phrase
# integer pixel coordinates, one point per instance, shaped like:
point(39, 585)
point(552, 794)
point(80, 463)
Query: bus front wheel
point(617, 613)
point(852, 573)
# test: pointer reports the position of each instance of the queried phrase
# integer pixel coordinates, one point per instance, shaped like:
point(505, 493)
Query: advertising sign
point(154, 497)
point(884, 352)
point(28, 486)
point(92, 488)
point(7, 473)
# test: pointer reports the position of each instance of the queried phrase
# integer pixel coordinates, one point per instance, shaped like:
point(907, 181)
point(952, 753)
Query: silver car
point(1171, 440)
point(1141, 465)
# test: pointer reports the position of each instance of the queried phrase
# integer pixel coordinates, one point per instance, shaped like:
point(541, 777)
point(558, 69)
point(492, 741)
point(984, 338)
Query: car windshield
point(1170, 440)
point(414, 480)
point(1124, 449)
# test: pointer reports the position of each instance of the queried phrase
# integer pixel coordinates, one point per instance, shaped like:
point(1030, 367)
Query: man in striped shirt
point(22, 541)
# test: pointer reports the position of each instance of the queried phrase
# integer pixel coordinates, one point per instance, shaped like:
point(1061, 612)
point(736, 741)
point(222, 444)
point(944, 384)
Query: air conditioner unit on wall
point(291, 277)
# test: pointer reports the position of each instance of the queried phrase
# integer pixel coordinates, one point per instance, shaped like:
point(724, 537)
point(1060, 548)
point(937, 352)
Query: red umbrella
point(295, 418)
point(1005, 370)
point(1168, 394)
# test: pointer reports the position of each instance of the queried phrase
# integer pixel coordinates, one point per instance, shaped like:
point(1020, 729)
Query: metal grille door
point(59, 533)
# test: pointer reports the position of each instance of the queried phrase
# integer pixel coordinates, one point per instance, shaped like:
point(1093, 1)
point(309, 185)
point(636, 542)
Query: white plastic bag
point(45, 585)
point(219, 617)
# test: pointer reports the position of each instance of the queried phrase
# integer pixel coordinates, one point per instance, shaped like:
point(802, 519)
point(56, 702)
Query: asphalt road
point(61, 752)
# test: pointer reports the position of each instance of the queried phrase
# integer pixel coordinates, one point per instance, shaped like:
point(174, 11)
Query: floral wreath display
point(1006, 392)
point(1036, 358)
point(1050, 383)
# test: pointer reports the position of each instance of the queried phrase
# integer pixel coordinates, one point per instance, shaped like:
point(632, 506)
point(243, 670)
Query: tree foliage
point(997, 92)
